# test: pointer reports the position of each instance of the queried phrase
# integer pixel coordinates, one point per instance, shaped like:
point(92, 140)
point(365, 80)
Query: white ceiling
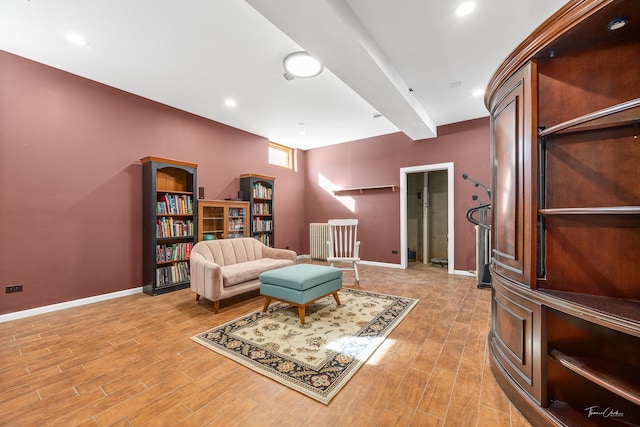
point(413, 61)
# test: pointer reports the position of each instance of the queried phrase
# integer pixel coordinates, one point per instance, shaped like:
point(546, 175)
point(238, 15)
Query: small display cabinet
point(222, 219)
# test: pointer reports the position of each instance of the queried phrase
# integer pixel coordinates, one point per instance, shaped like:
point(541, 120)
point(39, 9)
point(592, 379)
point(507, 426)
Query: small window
point(280, 155)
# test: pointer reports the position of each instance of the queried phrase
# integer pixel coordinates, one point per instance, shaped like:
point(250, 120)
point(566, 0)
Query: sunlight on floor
point(354, 346)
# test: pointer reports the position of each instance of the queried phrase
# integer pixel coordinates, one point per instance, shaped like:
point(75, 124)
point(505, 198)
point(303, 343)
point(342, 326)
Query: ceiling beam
point(330, 31)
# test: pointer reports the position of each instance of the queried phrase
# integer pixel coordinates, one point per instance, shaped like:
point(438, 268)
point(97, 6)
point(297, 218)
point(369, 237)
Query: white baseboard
point(391, 265)
point(381, 264)
point(464, 273)
point(67, 304)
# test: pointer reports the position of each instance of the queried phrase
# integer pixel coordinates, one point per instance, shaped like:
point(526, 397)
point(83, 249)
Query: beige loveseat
point(225, 268)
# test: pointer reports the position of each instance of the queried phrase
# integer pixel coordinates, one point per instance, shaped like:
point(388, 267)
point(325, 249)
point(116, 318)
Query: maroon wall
point(70, 180)
point(377, 161)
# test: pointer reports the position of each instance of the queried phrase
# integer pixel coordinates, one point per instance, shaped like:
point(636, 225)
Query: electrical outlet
point(13, 288)
point(395, 252)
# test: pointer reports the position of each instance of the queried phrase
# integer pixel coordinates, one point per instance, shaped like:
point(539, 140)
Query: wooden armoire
point(565, 122)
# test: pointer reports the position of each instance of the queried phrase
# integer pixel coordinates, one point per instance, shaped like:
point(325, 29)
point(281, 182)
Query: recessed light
point(77, 39)
point(465, 8)
point(230, 103)
point(477, 92)
point(617, 23)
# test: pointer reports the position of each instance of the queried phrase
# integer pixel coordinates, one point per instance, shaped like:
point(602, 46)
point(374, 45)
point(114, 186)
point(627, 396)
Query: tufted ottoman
point(300, 285)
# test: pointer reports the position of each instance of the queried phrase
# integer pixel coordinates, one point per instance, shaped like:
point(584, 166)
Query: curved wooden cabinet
point(565, 120)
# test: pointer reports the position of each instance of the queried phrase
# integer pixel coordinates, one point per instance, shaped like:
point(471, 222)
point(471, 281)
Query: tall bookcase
point(222, 219)
point(169, 223)
point(258, 190)
point(565, 116)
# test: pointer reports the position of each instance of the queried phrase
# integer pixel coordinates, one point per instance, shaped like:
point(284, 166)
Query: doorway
point(426, 217)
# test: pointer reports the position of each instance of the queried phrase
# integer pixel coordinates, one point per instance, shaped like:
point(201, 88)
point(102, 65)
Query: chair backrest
point(343, 238)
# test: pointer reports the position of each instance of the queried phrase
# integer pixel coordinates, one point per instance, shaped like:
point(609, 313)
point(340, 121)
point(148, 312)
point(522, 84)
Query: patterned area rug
point(319, 357)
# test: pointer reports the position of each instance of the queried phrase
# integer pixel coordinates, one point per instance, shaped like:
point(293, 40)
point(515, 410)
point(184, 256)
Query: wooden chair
point(343, 244)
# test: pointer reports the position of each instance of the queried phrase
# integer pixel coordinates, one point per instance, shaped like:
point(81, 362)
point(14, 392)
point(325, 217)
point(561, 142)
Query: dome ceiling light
point(301, 65)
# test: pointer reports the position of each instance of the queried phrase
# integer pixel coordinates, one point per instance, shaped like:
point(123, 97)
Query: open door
point(426, 214)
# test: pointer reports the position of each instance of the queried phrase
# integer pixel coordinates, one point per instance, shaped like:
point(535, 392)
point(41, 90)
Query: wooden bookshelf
point(169, 226)
point(258, 190)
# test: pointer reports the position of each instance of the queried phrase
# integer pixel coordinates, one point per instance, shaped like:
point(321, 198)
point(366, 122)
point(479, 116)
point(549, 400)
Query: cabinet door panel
point(511, 146)
point(515, 327)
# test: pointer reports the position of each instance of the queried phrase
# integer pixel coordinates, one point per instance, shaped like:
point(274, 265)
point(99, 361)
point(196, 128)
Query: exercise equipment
point(483, 228)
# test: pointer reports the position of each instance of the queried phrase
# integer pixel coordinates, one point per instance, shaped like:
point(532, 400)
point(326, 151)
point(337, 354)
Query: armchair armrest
point(206, 277)
point(276, 253)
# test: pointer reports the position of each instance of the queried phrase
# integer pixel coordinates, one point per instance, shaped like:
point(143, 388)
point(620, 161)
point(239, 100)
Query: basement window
point(280, 155)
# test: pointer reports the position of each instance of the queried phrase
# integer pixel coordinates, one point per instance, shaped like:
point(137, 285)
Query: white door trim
point(403, 209)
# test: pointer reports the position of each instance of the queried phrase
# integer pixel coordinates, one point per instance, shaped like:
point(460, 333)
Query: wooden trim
point(170, 161)
point(255, 175)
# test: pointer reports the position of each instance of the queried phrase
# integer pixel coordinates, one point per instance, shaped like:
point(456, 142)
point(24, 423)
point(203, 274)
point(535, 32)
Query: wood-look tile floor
point(130, 362)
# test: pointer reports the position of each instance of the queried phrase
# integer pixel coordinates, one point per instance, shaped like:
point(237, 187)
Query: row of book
point(236, 225)
point(261, 209)
point(262, 225)
point(237, 211)
point(169, 227)
point(262, 192)
point(173, 252)
point(176, 273)
point(174, 204)
point(265, 239)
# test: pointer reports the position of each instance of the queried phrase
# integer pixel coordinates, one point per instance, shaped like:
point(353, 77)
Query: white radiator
point(318, 236)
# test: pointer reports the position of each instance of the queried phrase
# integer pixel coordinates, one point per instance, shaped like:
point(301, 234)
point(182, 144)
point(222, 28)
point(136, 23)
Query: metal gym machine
point(483, 229)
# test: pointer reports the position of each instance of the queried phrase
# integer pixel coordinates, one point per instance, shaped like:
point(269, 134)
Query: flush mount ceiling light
point(465, 8)
point(301, 65)
point(617, 23)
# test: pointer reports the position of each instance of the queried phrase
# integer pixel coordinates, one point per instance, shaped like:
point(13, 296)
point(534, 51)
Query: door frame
point(404, 172)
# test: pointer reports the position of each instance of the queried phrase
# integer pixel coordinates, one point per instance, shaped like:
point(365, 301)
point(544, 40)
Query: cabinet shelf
point(618, 378)
point(616, 313)
point(603, 210)
point(568, 415)
point(623, 114)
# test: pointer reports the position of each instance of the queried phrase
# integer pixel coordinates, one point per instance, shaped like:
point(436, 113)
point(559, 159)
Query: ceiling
point(412, 61)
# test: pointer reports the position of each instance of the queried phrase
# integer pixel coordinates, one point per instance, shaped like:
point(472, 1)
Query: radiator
point(318, 236)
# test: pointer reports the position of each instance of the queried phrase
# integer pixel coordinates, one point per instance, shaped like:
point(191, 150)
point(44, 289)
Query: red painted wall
point(70, 180)
point(377, 161)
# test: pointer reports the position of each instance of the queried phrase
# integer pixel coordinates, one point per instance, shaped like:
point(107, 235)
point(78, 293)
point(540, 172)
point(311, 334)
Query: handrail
point(475, 209)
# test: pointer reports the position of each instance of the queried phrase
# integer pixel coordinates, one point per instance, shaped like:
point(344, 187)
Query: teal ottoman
point(300, 285)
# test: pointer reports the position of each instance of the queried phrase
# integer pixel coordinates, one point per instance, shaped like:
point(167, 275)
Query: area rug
point(319, 357)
